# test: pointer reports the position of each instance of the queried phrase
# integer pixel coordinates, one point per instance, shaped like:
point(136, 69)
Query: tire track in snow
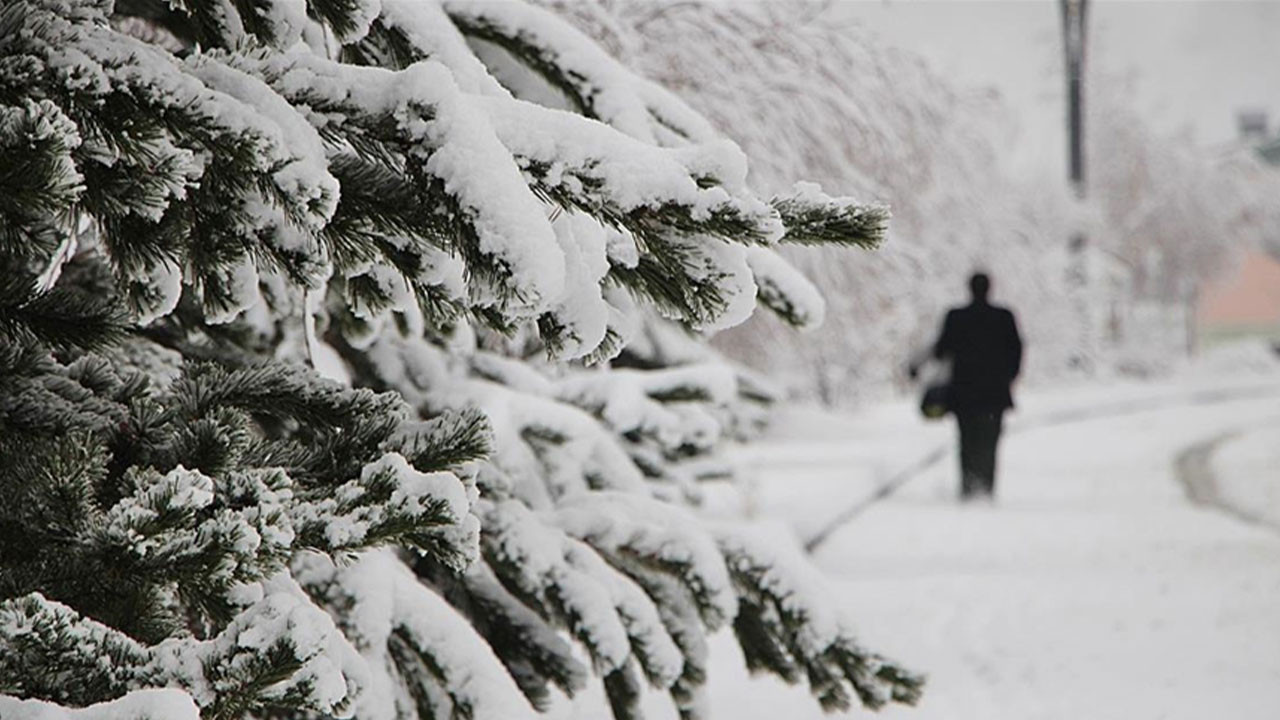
point(1213, 396)
point(1194, 469)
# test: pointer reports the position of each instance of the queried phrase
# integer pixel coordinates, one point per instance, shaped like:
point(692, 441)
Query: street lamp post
point(1073, 45)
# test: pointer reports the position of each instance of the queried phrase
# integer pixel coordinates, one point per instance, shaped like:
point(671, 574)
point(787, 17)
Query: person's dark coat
point(985, 350)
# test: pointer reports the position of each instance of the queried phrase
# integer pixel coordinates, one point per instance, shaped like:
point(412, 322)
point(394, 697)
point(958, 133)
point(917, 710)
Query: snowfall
point(1129, 568)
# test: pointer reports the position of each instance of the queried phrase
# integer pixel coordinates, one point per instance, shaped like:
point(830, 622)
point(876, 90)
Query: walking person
point(981, 342)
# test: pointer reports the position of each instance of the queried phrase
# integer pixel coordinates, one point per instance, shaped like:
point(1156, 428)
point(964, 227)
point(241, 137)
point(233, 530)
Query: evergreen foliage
point(328, 382)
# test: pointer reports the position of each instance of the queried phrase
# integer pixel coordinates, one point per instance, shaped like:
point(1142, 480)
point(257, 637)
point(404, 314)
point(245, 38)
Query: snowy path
point(1245, 469)
point(1094, 588)
point(1197, 475)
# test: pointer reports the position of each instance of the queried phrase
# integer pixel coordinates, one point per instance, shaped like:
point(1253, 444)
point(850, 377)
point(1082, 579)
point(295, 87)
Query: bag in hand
point(935, 403)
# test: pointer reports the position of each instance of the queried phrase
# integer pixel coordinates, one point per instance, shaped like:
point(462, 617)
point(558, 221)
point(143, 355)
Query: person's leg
point(969, 444)
point(988, 437)
point(997, 427)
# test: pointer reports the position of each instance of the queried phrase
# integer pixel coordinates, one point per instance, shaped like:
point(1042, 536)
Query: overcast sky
point(1195, 63)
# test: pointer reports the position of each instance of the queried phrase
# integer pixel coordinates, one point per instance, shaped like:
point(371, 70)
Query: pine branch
point(384, 45)
point(533, 651)
point(661, 280)
point(345, 18)
point(39, 182)
point(281, 391)
point(61, 318)
point(596, 186)
point(444, 442)
point(813, 218)
point(537, 57)
point(156, 520)
point(504, 280)
point(677, 607)
point(622, 687)
point(592, 81)
point(777, 605)
point(784, 290)
point(47, 651)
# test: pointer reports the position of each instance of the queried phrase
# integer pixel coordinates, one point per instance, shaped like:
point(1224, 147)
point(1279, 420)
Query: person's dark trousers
point(979, 434)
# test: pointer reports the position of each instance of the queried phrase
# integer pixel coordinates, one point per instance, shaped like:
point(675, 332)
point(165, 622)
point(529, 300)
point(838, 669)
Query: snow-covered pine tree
point(207, 205)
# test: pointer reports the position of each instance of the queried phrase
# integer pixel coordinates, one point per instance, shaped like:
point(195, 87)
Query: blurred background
point(1130, 566)
point(956, 113)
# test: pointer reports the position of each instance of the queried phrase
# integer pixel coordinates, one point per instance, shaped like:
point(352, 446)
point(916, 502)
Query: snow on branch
point(574, 586)
point(559, 447)
point(599, 85)
point(787, 627)
point(441, 134)
point(648, 402)
point(212, 152)
point(150, 554)
point(279, 649)
point(159, 704)
point(603, 89)
point(530, 646)
point(424, 657)
point(580, 163)
point(408, 31)
point(393, 502)
point(785, 290)
point(346, 182)
point(661, 536)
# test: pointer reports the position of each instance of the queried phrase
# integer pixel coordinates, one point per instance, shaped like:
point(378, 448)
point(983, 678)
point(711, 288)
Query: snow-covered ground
point(1246, 467)
point(1093, 588)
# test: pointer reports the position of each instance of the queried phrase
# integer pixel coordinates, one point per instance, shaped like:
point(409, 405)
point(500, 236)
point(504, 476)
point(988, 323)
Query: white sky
point(1195, 63)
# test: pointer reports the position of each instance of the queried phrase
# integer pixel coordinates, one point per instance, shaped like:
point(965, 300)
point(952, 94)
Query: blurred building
point(1245, 302)
point(1252, 126)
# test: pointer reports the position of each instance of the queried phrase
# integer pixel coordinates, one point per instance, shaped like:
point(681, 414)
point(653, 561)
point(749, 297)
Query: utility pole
point(1073, 46)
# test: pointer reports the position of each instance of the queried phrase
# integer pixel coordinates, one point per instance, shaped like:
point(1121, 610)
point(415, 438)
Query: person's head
point(979, 286)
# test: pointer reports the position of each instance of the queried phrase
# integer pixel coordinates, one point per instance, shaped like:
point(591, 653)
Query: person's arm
point(945, 346)
point(918, 359)
point(1015, 348)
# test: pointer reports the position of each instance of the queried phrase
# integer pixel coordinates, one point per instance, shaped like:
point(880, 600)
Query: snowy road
point(1094, 588)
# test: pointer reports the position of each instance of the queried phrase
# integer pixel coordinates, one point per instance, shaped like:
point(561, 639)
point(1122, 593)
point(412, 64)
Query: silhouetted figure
point(982, 343)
